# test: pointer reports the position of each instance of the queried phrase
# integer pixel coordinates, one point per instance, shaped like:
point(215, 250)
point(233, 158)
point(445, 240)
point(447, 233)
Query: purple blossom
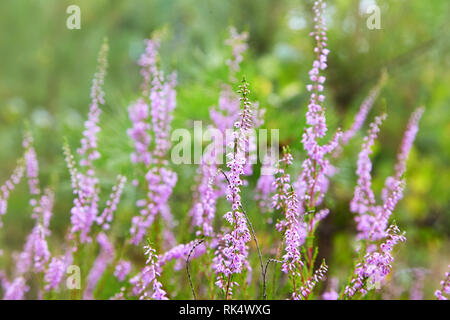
point(227, 112)
point(8, 187)
point(138, 113)
point(85, 184)
point(160, 183)
point(106, 217)
point(376, 265)
point(31, 165)
point(405, 147)
point(43, 211)
point(204, 208)
point(15, 290)
point(361, 116)
point(264, 190)
point(364, 199)
point(285, 199)
point(122, 269)
point(181, 252)
point(304, 291)
point(238, 44)
point(313, 180)
point(35, 253)
point(102, 261)
point(149, 276)
point(55, 273)
point(232, 257)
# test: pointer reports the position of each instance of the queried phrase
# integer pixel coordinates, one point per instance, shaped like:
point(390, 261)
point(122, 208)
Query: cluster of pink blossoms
point(149, 276)
point(285, 199)
point(372, 219)
point(85, 183)
point(8, 187)
point(364, 199)
point(232, 257)
point(158, 103)
point(376, 265)
point(313, 181)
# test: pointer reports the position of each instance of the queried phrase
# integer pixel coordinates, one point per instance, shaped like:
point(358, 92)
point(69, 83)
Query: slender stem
point(265, 273)
point(187, 266)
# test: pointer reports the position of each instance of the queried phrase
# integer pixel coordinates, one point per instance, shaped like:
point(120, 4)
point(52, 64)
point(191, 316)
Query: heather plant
point(216, 250)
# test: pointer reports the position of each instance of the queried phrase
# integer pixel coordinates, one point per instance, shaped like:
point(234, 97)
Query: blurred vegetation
point(46, 72)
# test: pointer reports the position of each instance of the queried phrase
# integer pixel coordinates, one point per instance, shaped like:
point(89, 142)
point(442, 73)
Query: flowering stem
point(263, 275)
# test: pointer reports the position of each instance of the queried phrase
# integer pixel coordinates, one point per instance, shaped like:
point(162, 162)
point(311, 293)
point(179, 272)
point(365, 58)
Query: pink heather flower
point(148, 63)
point(149, 276)
point(306, 289)
point(364, 198)
point(181, 252)
point(204, 209)
point(160, 183)
point(407, 142)
point(264, 190)
point(161, 92)
point(361, 116)
point(233, 256)
point(376, 265)
point(285, 199)
point(313, 181)
point(159, 180)
point(42, 212)
point(88, 149)
point(15, 290)
point(445, 288)
point(138, 113)
point(55, 273)
point(85, 184)
point(31, 164)
point(106, 217)
point(104, 258)
point(122, 269)
point(35, 253)
point(227, 112)
point(238, 44)
point(8, 187)
point(162, 102)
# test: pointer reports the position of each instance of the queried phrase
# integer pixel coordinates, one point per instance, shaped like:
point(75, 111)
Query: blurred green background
point(46, 71)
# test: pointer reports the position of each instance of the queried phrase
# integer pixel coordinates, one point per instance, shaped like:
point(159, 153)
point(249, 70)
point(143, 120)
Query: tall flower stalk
point(151, 118)
point(233, 257)
point(86, 185)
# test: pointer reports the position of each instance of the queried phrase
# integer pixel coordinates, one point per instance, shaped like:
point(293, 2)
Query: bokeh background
point(46, 72)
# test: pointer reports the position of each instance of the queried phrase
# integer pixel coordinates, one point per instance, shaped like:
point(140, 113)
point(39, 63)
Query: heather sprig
point(304, 291)
point(85, 183)
point(285, 199)
point(153, 124)
point(9, 185)
point(233, 257)
point(146, 284)
point(363, 200)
